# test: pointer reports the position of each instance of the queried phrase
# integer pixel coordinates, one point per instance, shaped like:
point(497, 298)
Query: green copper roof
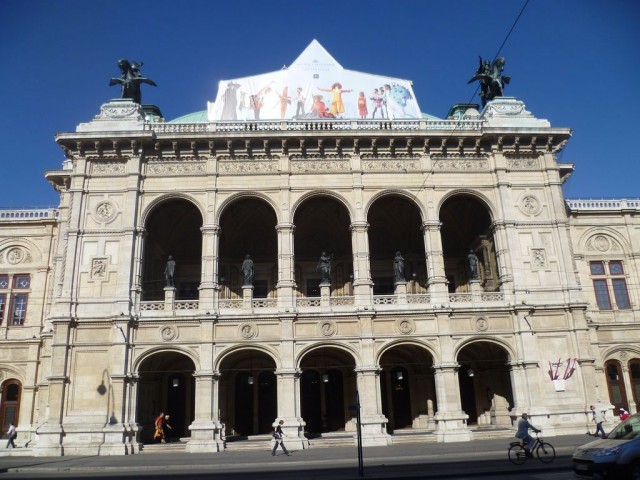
point(195, 117)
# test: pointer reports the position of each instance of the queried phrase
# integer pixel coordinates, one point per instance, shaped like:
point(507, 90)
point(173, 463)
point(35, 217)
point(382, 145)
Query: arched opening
point(408, 389)
point(248, 227)
point(615, 385)
point(395, 226)
point(634, 373)
point(466, 230)
point(322, 225)
point(485, 383)
point(328, 387)
point(173, 228)
point(166, 385)
point(10, 403)
point(248, 394)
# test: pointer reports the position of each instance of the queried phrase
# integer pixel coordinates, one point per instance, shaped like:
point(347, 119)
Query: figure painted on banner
point(130, 80)
point(398, 267)
point(169, 271)
point(257, 100)
point(398, 97)
point(158, 434)
point(300, 100)
point(597, 417)
point(377, 100)
point(337, 105)
point(523, 432)
point(278, 436)
point(230, 99)
point(319, 109)
point(11, 434)
point(473, 264)
point(247, 270)
point(285, 100)
point(362, 106)
point(324, 267)
point(384, 93)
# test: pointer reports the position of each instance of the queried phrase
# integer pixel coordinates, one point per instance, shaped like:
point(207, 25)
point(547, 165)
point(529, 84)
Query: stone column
point(362, 282)
point(437, 280)
point(288, 408)
point(286, 285)
point(208, 267)
point(138, 253)
point(627, 384)
point(206, 428)
point(503, 257)
point(374, 423)
point(451, 421)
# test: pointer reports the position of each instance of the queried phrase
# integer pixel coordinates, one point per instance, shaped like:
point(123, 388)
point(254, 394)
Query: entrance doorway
point(166, 385)
point(10, 403)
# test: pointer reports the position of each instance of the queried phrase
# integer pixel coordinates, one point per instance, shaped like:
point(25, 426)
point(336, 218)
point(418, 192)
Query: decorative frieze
point(460, 164)
point(523, 162)
point(247, 168)
point(176, 168)
point(392, 164)
point(108, 168)
point(302, 166)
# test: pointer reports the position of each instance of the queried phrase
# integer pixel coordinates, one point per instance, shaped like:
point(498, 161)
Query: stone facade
point(444, 355)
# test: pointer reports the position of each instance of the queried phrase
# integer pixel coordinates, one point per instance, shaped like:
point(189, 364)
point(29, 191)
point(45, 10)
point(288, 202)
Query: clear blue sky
point(573, 62)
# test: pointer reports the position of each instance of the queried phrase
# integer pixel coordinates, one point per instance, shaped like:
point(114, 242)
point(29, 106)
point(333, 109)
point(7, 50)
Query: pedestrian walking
point(598, 419)
point(278, 435)
point(12, 435)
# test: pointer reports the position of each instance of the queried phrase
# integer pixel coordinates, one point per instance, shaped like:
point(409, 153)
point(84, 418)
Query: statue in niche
point(130, 80)
point(491, 80)
point(398, 267)
point(473, 265)
point(324, 267)
point(169, 271)
point(247, 270)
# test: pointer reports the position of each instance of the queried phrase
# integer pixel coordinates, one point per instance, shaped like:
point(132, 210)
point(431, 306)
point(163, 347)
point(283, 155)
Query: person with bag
point(278, 435)
point(158, 435)
point(598, 419)
point(12, 435)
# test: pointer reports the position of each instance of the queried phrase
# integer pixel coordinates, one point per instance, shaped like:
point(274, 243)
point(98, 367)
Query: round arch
point(335, 345)
point(607, 232)
point(28, 245)
point(227, 202)
point(413, 199)
point(464, 192)
point(484, 338)
point(413, 342)
point(157, 202)
point(232, 350)
point(321, 193)
point(146, 354)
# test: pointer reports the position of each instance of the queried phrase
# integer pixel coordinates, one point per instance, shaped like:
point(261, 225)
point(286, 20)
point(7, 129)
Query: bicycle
point(543, 450)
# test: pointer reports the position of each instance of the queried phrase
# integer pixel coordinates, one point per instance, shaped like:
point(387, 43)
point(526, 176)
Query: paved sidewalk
point(442, 459)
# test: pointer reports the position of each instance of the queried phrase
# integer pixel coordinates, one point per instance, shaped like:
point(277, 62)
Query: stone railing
point(385, 300)
point(316, 125)
point(341, 301)
point(264, 303)
point(603, 204)
point(308, 301)
point(28, 214)
point(151, 306)
point(186, 305)
point(460, 297)
point(418, 298)
point(227, 303)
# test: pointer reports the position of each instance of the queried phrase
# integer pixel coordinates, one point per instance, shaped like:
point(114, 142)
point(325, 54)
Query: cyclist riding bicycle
point(523, 433)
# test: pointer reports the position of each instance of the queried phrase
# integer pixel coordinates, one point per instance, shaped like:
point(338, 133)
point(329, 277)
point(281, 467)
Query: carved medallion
point(623, 355)
point(168, 333)
point(99, 268)
point(327, 328)
point(105, 211)
point(405, 326)
point(16, 255)
point(482, 324)
point(601, 243)
point(248, 330)
point(530, 205)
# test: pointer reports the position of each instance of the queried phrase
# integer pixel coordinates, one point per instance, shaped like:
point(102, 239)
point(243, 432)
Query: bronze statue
point(473, 265)
point(130, 80)
point(169, 271)
point(398, 267)
point(324, 266)
point(247, 270)
point(492, 81)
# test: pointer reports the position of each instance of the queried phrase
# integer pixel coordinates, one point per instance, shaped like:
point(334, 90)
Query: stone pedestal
point(169, 298)
point(325, 294)
point(247, 296)
point(476, 290)
point(401, 292)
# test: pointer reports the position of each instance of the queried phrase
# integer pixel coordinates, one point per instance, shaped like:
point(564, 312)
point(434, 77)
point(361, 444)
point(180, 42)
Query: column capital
point(359, 225)
point(210, 227)
point(284, 226)
point(431, 225)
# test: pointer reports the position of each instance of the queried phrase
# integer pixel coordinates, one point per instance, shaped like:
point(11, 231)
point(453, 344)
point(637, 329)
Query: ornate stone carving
point(523, 163)
point(248, 330)
point(538, 258)
point(105, 211)
point(16, 255)
point(405, 326)
point(248, 168)
point(482, 324)
point(530, 205)
point(460, 164)
point(327, 328)
point(99, 268)
point(107, 168)
point(391, 165)
point(121, 110)
point(603, 243)
point(320, 166)
point(168, 333)
point(623, 355)
point(175, 168)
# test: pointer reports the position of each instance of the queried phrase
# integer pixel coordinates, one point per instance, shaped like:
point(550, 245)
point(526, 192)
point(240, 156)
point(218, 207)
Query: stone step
point(16, 452)
point(413, 436)
point(171, 447)
point(485, 434)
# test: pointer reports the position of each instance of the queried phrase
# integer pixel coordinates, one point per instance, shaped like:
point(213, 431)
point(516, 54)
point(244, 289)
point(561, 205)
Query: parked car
point(615, 457)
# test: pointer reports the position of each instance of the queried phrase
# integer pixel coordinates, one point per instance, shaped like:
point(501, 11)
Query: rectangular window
point(602, 294)
point(19, 309)
point(21, 281)
point(313, 287)
point(620, 293)
point(3, 302)
point(597, 268)
point(4, 282)
point(615, 268)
